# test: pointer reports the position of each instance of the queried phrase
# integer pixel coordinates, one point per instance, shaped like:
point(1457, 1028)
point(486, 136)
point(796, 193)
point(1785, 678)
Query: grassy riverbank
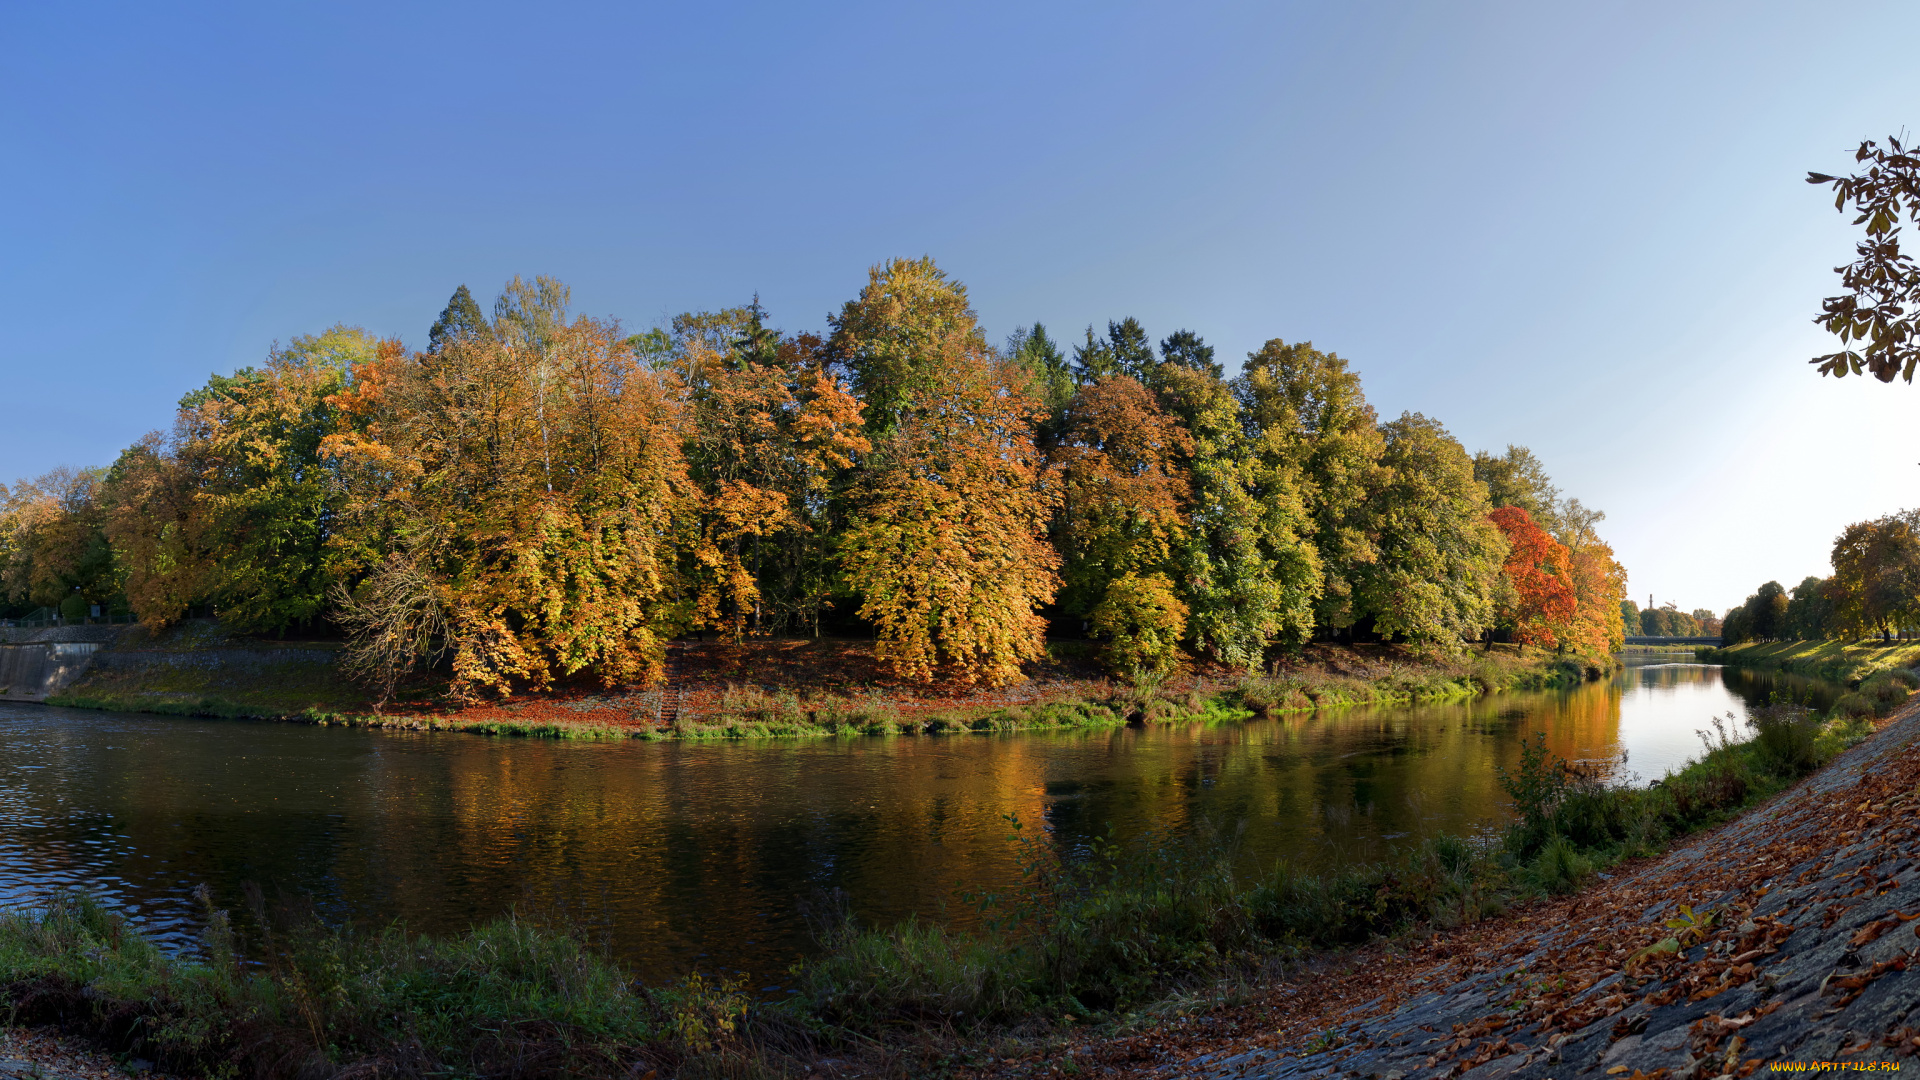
point(800, 688)
point(1106, 942)
point(1845, 662)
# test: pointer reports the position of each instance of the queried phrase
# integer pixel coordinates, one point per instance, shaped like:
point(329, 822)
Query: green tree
point(1517, 478)
point(898, 334)
point(1248, 572)
point(1314, 437)
point(1438, 556)
point(459, 318)
point(1767, 612)
point(1876, 574)
point(1142, 621)
point(1630, 616)
point(1030, 349)
point(1810, 611)
point(1187, 349)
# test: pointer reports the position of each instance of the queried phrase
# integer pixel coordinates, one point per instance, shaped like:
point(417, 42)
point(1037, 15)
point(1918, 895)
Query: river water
point(697, 854)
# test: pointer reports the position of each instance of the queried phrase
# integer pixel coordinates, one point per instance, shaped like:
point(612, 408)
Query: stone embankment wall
point(193, 668)
point(37, 662)
point(1796, 949)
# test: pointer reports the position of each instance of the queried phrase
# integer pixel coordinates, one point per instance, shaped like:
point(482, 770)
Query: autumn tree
point(1123, 489)
point(946, 540)
point(519, 491)
point(53, 548)
point(1315, 438)
point(1599, 581)
point(771, 430)
point(1539, 598)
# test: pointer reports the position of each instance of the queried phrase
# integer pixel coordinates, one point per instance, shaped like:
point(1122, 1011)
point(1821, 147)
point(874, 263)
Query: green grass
point(1841, 661)
point(509, 998)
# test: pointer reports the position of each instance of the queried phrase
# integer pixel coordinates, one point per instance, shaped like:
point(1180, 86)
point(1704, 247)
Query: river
point(696, 854)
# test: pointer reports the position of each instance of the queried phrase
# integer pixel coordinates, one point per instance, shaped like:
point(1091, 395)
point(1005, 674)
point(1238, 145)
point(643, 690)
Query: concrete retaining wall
point(30, 672)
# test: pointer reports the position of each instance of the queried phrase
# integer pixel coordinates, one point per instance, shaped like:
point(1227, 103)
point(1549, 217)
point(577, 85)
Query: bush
point(1142, 620)
point(1559, 867)
point(1784, 737)
point(507, 997)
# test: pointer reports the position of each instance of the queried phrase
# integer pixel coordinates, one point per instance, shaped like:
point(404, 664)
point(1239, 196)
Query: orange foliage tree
point(513, 500)
point(771, 429)
point(946, 538)
point(1539, 601)
point(1117, 463)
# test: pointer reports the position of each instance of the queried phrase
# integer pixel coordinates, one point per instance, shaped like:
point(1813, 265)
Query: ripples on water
point(695, 853)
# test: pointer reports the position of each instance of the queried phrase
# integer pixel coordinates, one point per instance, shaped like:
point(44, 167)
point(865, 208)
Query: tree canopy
point(538, 495)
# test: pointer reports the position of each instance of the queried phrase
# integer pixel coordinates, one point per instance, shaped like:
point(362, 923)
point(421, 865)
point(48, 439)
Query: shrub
point(1853, 705)
point(1783, 738)
point(1142, 620)
point(1559, 867)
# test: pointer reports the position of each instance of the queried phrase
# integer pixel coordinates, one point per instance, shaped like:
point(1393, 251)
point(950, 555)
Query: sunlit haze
point(1581, 229)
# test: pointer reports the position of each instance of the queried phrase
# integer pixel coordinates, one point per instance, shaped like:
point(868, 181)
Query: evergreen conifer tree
point(460, 318)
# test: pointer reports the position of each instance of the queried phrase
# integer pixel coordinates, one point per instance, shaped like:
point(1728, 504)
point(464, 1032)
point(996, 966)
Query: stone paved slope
point(1815, 901)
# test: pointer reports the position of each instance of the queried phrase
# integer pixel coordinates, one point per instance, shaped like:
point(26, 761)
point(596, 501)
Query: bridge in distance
point(1642, 639)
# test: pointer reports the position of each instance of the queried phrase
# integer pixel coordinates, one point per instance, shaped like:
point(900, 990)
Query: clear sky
point(1581, 228)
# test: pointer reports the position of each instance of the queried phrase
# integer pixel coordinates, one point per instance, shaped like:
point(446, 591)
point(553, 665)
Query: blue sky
point(1580, 228)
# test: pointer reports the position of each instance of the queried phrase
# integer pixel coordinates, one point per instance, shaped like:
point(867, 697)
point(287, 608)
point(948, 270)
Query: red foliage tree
point(1539, 601)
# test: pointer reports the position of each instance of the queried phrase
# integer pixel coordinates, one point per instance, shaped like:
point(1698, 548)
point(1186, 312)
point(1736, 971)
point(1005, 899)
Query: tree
point(1541, 602)
point(946, 535)
point(1123, 489)
point(522, 492)
point(772, 430)
point(1517, 478)
point(265, 496)
point(1630, 616)
point(1438, 555)
point(1881, 307)
point(1045, 365)
point(946, 544)
point(53, 548)
point(157, 528)
point(1125, 351)
point(460, 318)
point(1767, 611)
point(1599, 583)
point(1247, 571)
point(1876, 574)
point(1810, 611)
point(1142, 621)
point(1315, 438)
point(1184, 348)
point(896, 335)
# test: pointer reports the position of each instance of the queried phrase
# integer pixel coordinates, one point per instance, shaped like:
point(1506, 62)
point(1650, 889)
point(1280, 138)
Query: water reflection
point(696, 853)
